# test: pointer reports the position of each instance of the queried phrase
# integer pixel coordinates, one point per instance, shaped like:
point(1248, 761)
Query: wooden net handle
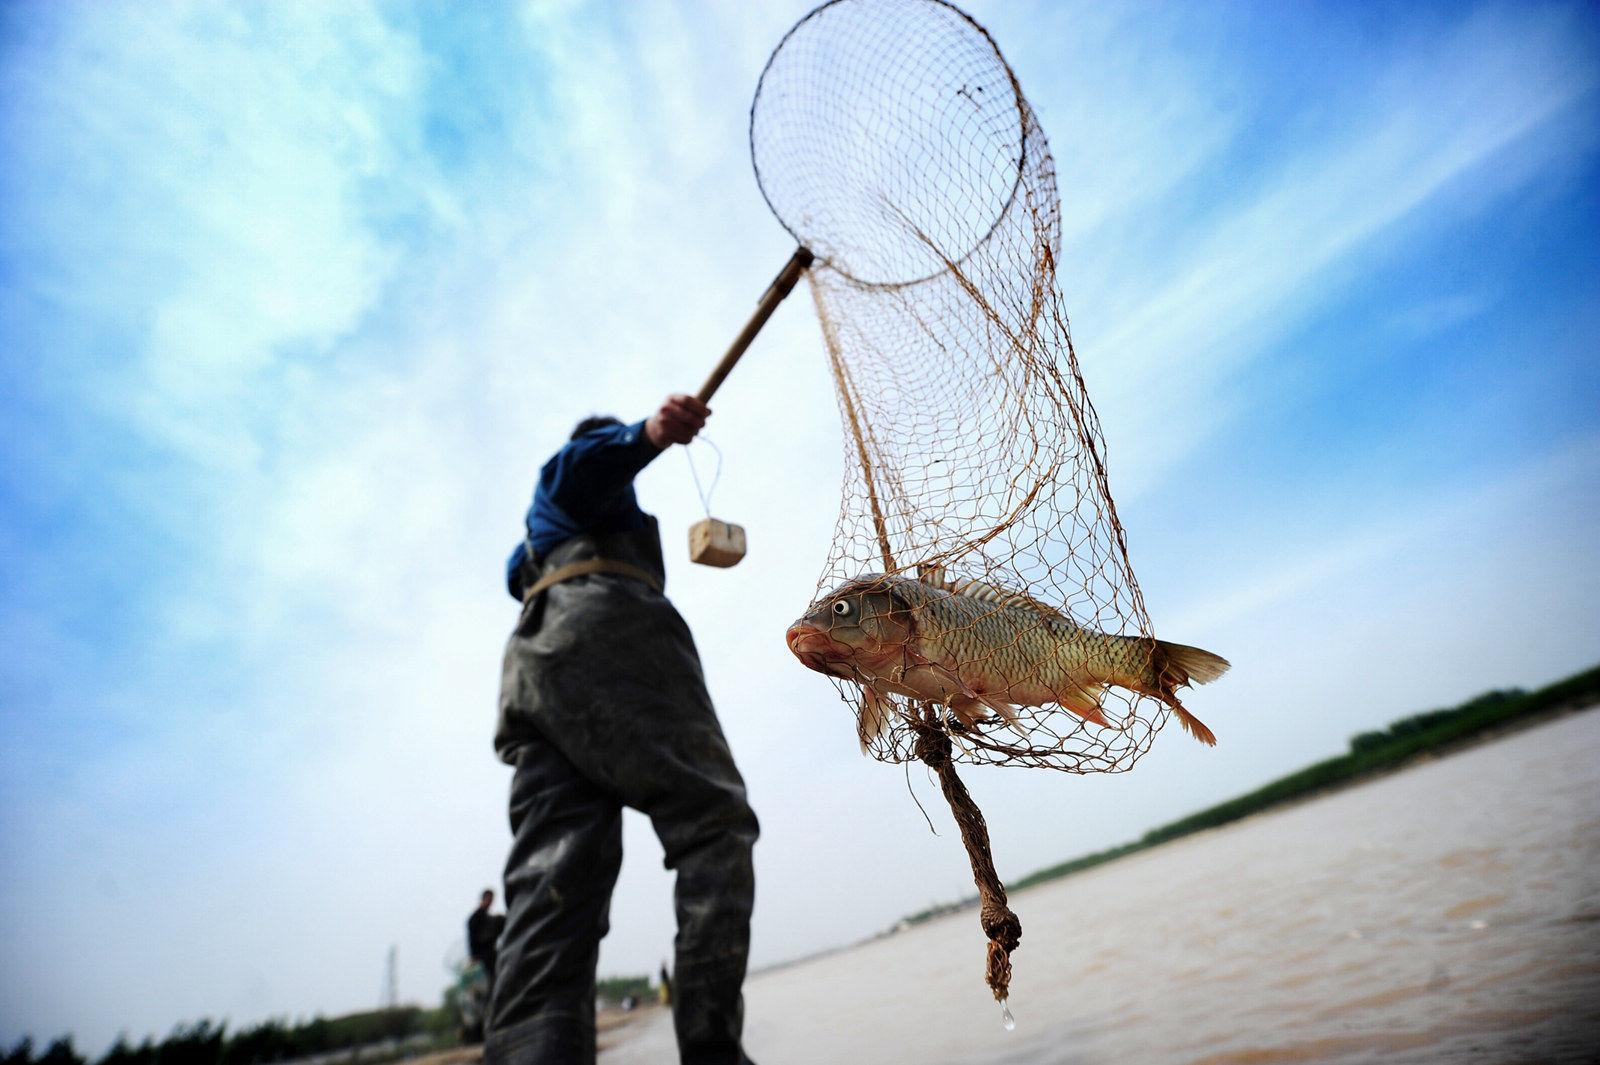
point(781, 286)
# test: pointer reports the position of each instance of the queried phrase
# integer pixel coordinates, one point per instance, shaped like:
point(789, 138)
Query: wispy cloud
point(1292, 230)
point(1570, 472)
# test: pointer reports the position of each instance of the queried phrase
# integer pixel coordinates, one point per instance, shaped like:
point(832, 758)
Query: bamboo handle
point(781, 286)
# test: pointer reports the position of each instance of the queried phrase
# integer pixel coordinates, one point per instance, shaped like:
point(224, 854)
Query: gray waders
point(603, 705)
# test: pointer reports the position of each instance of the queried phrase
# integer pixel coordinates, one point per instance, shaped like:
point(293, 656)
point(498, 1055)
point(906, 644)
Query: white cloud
point(225, 187)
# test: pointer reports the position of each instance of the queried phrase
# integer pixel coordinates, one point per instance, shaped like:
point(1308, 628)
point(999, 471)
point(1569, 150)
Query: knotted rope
point(1000, 924)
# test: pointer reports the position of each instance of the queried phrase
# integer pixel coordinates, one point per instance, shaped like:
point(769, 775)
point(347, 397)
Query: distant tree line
point(614, 989)
point(208, 1043)
point(59, 1052)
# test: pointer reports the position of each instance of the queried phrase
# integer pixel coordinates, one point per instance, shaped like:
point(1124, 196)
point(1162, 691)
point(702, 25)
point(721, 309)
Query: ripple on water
point(1461, 909)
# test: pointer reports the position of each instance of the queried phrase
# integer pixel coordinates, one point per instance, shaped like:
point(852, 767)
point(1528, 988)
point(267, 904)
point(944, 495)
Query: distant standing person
point(603, 705)
point(483, 934)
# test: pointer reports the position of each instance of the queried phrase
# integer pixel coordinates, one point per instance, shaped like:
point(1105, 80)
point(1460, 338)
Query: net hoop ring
point(1018, 166)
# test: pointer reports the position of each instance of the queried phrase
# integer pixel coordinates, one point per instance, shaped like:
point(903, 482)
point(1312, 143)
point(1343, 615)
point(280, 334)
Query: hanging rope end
point(1004, 930)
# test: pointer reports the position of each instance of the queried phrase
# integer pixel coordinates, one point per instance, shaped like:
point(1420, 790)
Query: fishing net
point(892, 140)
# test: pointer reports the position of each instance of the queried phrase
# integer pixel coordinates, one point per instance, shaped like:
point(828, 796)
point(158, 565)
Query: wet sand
point(1448, 913)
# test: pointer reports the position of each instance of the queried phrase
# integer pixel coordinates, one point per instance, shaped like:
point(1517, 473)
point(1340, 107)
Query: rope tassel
point(1000, 923)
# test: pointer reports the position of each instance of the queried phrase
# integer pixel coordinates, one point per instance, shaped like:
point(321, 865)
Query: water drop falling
point(1005, 1015)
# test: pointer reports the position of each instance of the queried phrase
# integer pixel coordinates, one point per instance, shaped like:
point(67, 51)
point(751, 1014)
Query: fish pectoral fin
point(873, 719)
point(968, 710)
point(974, 707)
point(971, 706)
point(957, 694)
point(1007, 712)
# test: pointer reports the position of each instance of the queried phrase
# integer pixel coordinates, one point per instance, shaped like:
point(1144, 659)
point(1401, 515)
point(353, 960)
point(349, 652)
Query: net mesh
point(892, 139)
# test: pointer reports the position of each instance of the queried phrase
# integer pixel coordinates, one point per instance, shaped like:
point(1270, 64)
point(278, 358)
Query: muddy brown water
point(1448, 913)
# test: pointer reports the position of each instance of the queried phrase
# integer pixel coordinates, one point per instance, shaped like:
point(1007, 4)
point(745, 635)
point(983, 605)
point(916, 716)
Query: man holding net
point(603, 705)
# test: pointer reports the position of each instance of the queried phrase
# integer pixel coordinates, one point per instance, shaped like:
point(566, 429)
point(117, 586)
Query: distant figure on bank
point(483, 934)
point(603, 705)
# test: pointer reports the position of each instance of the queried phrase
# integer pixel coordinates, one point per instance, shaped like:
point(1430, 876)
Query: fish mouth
point(815, 649)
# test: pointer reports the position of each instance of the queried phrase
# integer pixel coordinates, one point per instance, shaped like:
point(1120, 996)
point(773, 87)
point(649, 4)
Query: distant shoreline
point(1406, 743)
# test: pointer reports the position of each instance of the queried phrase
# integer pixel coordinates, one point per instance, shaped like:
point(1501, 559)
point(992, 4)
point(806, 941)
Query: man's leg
point(564, 861)
point(707, 830)
point(654, 743)
point(672, 762)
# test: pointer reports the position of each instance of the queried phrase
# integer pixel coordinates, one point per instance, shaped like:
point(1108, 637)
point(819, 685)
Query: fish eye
point(843, 608)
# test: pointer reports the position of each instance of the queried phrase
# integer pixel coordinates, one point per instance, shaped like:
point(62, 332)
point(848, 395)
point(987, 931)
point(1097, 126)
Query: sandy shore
point(1448, 913)
point(607, 1021)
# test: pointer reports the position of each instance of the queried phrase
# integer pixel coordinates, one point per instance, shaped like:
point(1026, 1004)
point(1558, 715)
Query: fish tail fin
point(1193, 726)
point(1178, 664)
point(873, 719)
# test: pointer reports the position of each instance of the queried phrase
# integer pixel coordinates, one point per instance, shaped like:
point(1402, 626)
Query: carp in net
point(977, 605)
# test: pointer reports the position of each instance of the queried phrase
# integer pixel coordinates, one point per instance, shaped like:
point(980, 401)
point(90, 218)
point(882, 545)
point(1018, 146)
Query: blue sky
point(294, 300)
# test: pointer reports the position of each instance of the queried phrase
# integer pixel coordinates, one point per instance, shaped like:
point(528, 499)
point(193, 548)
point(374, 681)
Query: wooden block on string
point(714, 542)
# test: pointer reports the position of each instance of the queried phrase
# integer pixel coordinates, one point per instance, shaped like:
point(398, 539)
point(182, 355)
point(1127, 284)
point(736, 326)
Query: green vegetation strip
point(614, 989)
point(208, 1043)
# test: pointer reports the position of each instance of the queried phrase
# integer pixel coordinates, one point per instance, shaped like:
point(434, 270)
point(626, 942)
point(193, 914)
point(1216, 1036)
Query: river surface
point(1448, 913)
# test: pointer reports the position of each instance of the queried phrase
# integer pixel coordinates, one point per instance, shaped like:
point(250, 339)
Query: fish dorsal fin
point(989, 593)
point(933, 575)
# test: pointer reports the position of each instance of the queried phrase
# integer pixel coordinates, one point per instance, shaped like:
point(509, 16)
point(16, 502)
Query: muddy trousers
point(565, 855)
